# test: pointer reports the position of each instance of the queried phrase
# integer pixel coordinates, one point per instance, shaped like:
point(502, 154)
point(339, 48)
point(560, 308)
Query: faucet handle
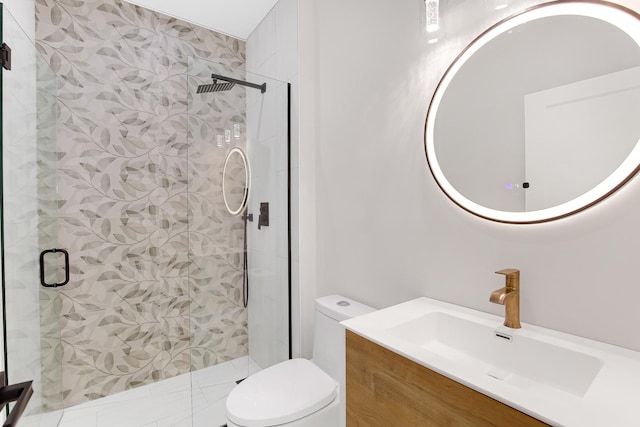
point(509, 272)
point(512, 278)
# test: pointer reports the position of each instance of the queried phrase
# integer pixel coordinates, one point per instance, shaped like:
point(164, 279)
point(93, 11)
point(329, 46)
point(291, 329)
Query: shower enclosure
point(122, 265)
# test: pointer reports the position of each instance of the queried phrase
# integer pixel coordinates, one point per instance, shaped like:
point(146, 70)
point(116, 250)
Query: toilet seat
point(280, 394)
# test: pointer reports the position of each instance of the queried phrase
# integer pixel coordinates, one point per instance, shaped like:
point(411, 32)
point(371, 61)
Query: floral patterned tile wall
point(155, 271)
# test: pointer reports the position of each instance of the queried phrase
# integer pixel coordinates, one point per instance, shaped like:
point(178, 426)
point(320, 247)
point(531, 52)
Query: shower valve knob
point(263, 218)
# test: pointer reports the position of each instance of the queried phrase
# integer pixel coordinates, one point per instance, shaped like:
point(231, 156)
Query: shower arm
point(262, 87)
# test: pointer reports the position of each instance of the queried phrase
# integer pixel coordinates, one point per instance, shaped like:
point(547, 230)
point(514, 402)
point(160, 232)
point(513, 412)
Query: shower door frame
point(288, 273)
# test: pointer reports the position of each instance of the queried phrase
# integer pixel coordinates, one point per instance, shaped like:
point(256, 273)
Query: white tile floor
point(190, 400)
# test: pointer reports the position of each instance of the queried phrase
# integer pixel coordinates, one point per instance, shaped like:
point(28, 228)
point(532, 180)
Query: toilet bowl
point(301, 392)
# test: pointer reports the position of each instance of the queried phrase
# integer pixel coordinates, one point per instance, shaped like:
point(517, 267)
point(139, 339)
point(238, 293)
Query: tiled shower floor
point(190, 400)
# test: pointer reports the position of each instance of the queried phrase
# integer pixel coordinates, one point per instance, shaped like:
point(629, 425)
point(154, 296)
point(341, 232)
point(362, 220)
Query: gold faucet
point(509, 296)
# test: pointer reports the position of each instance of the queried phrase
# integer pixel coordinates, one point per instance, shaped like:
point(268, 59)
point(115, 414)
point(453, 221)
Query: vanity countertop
point(561, 379)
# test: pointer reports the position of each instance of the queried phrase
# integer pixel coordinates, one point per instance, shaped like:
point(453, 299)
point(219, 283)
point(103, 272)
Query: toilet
point(301, 392)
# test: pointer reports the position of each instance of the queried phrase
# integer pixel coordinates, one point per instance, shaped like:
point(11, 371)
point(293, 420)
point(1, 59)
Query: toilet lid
point(281, 393)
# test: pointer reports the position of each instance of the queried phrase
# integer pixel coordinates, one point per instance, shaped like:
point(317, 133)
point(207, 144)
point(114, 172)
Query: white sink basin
point(558, 378)
point(517, 360)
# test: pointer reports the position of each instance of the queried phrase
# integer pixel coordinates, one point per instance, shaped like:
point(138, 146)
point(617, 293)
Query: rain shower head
point(226, 84)
point(215, 87)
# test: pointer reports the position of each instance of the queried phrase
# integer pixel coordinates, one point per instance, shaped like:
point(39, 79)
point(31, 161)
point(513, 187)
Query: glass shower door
point(32, 333)
point(239, 256)
point(268, 247)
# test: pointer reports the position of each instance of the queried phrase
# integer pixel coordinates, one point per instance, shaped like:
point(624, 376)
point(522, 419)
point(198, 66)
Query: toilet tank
point(329, 336)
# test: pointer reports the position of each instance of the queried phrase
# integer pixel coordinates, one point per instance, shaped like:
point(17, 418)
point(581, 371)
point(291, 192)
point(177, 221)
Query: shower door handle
point(42, 268)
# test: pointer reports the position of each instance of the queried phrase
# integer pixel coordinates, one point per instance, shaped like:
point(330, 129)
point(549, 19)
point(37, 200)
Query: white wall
point(385, 232)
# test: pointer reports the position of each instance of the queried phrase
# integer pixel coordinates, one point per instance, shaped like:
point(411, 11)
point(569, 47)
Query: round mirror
point(538, 117)
point(235, 181)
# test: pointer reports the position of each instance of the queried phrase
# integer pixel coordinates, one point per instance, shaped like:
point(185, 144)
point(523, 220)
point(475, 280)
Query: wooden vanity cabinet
point(386, 389)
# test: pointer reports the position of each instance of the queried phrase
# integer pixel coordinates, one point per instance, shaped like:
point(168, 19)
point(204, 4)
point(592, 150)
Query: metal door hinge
point(5, 56)
point(18, 393)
